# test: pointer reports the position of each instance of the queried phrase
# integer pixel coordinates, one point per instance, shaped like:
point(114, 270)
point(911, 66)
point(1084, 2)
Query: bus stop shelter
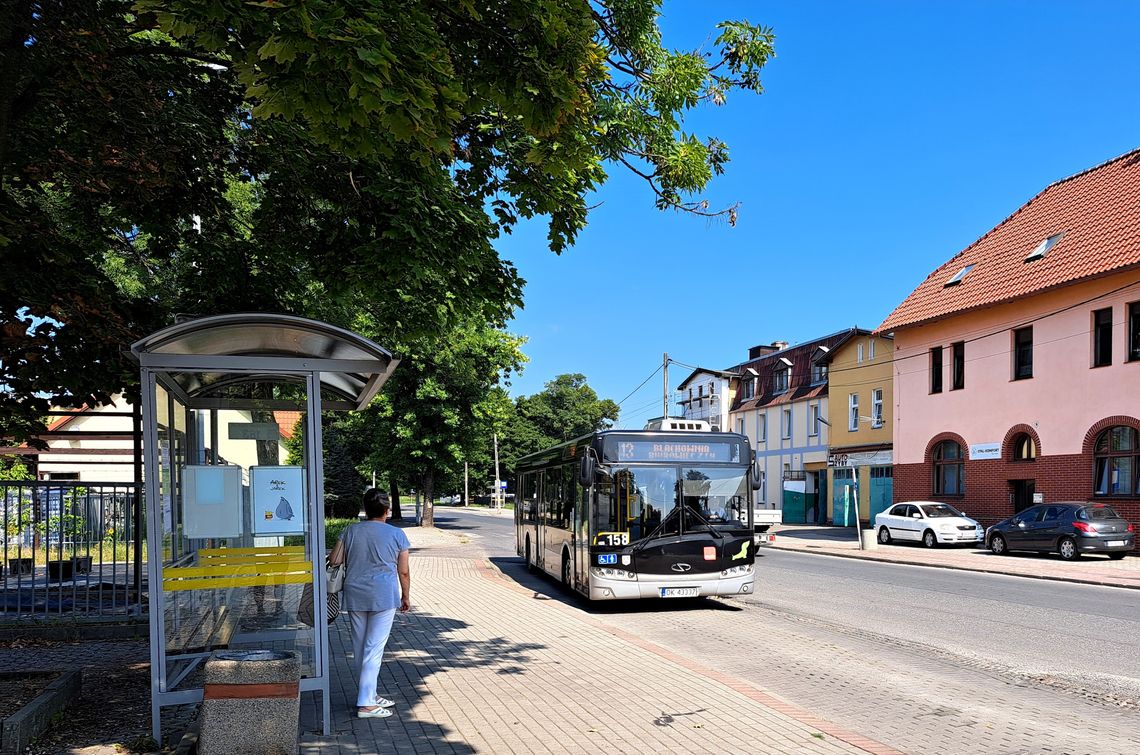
point(231, 408)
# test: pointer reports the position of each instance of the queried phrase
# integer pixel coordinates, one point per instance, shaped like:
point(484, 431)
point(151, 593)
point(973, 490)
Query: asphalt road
point(926, 660)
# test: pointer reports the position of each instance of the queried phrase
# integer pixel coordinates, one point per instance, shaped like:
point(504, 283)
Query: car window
point(912, 510)
point(1098, 512)
point(938, 510)
point(1030, 515)
point(1052, 514)
point(899, 510)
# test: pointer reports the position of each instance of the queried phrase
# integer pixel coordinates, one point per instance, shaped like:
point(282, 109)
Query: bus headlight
point(737, 571)
point(605, 572)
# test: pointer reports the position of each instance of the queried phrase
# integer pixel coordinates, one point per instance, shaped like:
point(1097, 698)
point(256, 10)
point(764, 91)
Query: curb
point(955, 567)
point(33, 719)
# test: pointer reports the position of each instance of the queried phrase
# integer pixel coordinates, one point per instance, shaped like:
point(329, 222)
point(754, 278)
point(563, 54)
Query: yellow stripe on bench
point(241, 567)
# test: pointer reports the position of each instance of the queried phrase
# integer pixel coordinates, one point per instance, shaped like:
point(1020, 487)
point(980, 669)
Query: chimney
point(758, 351)
point(779, 345)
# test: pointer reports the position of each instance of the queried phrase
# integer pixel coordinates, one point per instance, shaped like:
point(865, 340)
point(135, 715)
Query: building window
point(853, 412)
point(818, 374)
point(949, 469)
point(787, 423)
point(1134, 331)
point(1024, 449)
point(763, 486)
point(1023, 353)
point(1117, 459)
point(813, 420)
point(871, 350)
point(958, 366)
point(936, 370)
point(859, 353)
point(740, 425)
point(780, 380)
point(761, 427)
point(1102, 337)
point(748, 390)
point(877, 407)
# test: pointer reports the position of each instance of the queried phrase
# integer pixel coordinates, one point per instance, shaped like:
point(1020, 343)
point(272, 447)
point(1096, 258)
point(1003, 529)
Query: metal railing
point(71, 548)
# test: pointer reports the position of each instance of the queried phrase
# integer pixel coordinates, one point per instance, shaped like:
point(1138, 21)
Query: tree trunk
point(394, 499)
point(428, 517)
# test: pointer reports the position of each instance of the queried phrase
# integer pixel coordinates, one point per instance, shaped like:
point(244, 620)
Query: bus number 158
point(611, 538)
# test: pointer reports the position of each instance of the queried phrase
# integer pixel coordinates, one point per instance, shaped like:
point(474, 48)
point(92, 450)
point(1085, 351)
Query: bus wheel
point(529, 565)
point(566, 577)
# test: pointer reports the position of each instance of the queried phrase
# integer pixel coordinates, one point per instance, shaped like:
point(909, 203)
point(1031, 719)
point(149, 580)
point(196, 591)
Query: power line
point(643, 382)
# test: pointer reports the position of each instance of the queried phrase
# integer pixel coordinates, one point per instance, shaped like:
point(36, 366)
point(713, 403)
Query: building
point(1017, 362)
point(780, 403)
point(705, 395)
point(860, 409)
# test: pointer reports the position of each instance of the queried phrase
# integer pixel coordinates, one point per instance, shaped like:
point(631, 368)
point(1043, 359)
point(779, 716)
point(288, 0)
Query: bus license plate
point(679, 592)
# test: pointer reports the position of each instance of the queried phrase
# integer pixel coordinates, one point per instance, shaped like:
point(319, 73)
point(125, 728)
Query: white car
point(927, 522)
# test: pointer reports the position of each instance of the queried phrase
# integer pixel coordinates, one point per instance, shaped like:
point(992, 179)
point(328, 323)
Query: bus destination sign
point(654, 450)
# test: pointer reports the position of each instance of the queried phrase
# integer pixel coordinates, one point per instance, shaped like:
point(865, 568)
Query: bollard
point(869, 539)
point(250, 703)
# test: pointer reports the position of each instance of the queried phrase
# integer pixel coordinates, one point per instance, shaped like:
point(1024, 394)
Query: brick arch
point(1016, 430)
point(928, 456)
point(1104, 424)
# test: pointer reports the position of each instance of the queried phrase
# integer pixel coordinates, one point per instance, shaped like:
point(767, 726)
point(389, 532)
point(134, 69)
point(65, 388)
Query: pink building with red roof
point(1017, 362)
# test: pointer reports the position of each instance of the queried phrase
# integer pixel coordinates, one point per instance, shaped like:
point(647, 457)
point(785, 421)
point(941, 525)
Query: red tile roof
point(286, 421)
point(1097, 210)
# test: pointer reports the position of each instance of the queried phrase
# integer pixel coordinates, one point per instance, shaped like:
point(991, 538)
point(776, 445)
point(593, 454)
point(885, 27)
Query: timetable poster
point(212, 502)
point(277, 500)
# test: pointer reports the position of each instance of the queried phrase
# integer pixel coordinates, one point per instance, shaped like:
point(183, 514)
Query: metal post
point(498, 496)
point(855, 488)
point(314, 460)
point(137, 524)
point(466, 492)
point(665, 392)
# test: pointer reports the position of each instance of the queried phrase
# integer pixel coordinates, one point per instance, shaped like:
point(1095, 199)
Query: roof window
point(1043, 248)
point(958, 276)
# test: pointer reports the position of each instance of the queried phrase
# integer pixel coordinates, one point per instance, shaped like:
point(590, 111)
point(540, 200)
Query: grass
point(100, 553)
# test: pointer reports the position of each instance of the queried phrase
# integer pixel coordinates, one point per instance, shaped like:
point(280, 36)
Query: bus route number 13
point(611, 538)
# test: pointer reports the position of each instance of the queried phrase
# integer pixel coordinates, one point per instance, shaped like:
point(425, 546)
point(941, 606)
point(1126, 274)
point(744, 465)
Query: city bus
point(638, 514)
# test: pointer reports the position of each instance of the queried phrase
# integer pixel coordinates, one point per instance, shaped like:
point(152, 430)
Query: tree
point(439, 406)
point(566, 408)
point(349, 160)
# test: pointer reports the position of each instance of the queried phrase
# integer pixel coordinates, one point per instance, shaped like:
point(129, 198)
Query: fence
point(71, 548)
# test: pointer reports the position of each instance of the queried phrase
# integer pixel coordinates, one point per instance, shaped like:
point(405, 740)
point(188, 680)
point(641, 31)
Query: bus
point(640, 514)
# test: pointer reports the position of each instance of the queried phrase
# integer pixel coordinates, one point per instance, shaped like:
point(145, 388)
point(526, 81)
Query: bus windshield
point(671, 500)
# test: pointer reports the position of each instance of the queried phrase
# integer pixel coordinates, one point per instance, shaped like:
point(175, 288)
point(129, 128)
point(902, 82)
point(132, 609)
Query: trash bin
point(250, 703)
point(870, 539)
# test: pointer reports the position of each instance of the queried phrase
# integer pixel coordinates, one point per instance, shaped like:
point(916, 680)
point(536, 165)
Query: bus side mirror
point(586, 471)
point(754, 474)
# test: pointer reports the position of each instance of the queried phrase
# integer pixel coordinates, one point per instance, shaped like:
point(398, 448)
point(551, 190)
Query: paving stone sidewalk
point(484, 664)
point(841, 541)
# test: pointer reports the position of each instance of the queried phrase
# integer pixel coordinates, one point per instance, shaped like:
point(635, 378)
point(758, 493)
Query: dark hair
point(375, 503)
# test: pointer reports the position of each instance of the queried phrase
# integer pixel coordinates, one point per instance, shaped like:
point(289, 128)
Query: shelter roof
point(209, 354)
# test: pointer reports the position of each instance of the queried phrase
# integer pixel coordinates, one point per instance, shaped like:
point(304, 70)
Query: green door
point(882, 490)
point(844, 506)
point(795, 507)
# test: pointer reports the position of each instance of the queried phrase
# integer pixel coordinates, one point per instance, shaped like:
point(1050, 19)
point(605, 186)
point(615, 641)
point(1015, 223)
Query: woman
point(376, 583)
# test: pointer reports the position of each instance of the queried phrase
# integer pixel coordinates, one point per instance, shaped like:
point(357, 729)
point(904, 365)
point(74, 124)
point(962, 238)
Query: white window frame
point(871, 350)
point(813, 421)
point(859, 352)
point(786, 423)
point(740, 425)
point(852, 412)
point(761, 427)
point(877, 407)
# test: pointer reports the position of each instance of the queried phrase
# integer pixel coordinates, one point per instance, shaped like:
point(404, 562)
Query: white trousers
point(370, 630)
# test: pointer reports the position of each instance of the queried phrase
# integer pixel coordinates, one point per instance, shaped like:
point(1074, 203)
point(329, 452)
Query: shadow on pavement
point(546, 587)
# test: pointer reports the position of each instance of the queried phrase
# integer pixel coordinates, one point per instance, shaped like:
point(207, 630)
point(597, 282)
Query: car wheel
point(1068, 549)
point(997, 545)
point(529, 565)
point(928, 539)
point(884, 536)
point(566, 576)
point(1117, 556)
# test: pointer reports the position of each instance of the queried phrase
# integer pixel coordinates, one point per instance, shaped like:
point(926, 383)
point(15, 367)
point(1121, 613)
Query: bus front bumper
point(670, 586)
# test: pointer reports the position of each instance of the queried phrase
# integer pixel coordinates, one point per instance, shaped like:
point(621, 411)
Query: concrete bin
point(250, 703)
point(870, 539)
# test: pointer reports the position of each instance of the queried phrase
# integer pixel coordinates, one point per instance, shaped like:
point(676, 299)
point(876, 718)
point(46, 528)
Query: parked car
point(927, 522)
point(1068, 528)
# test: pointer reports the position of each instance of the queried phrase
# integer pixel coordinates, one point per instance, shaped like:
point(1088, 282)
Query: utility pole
point(498, 498)
point(466, 500)
point(665, 392)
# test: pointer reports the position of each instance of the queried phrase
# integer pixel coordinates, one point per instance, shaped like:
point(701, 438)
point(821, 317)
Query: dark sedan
point(1069, 529)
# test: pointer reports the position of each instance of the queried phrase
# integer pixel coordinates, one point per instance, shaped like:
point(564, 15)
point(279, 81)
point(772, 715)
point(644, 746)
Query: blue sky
point(889, 136)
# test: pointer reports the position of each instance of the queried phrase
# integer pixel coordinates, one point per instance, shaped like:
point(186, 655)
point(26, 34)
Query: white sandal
point(374, 713)
point(383, 702)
